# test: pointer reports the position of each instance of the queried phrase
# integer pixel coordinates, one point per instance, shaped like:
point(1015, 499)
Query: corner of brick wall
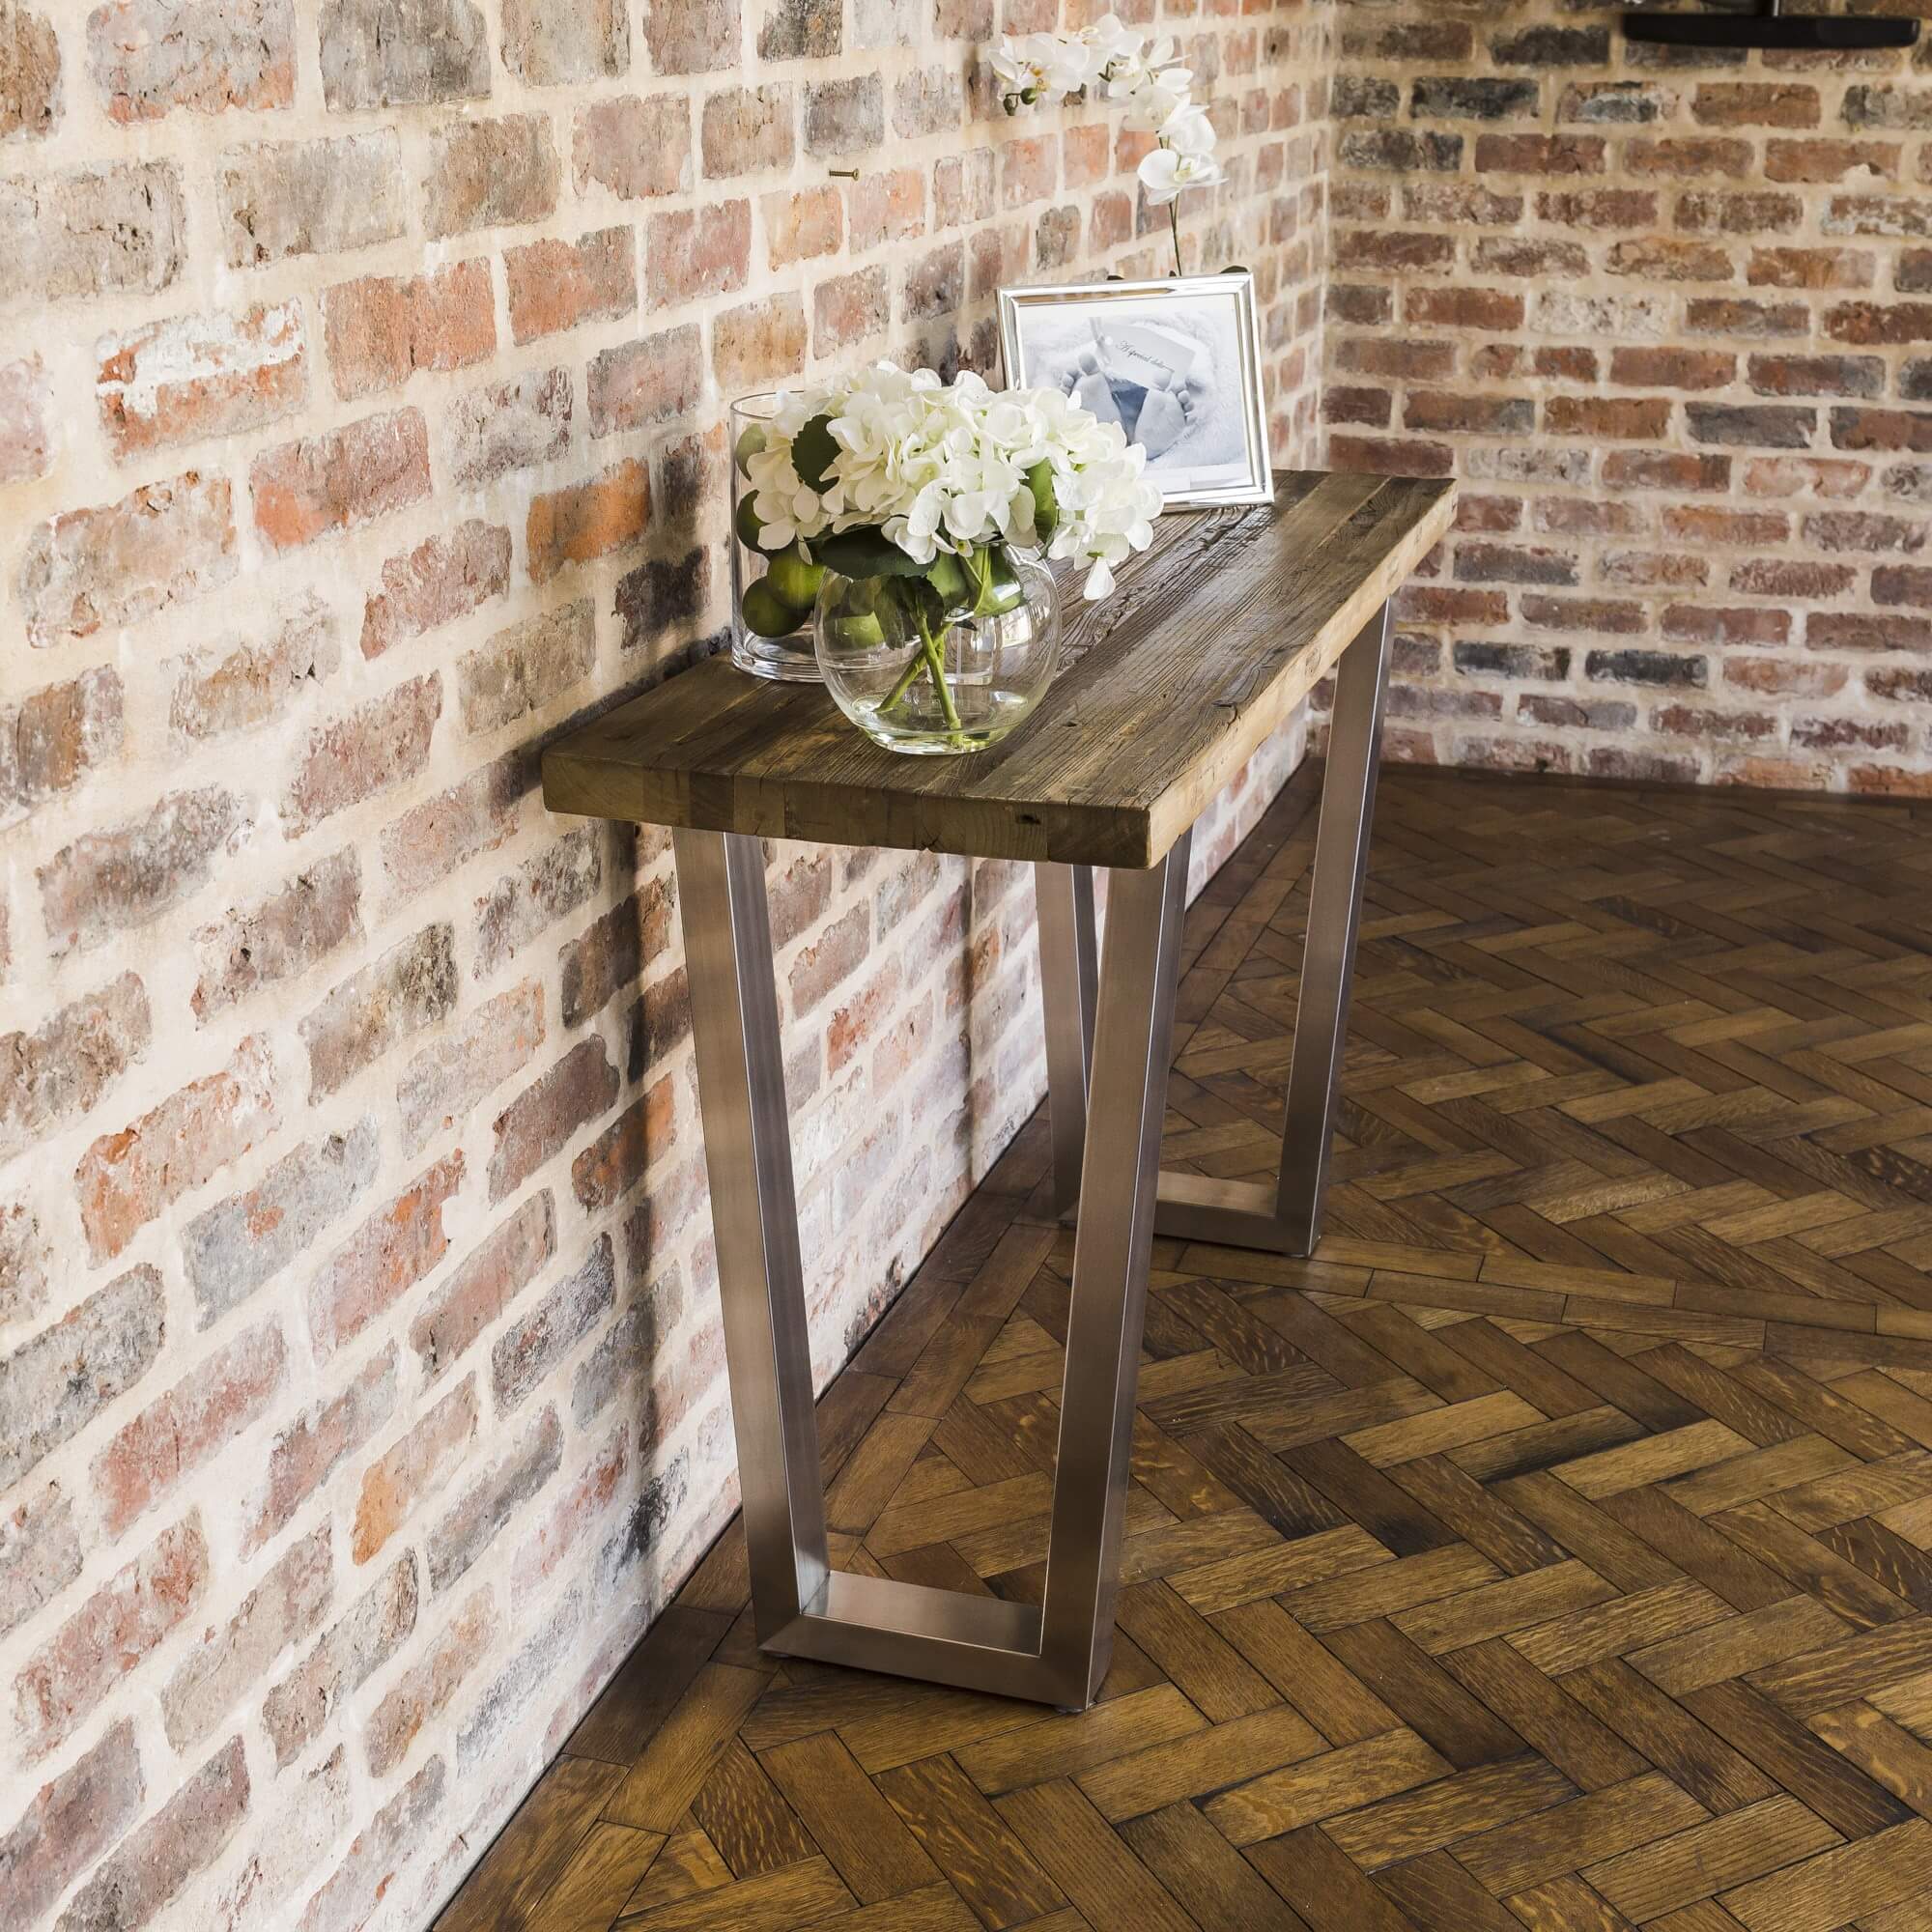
point(1663, 311)
point(361, 1387)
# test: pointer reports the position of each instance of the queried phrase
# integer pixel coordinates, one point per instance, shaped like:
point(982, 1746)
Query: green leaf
point(813, 452)
point(864, 552)
point(1045, 499)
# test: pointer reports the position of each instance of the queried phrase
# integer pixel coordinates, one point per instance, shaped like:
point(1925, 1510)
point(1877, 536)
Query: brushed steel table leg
point(1069, 971)
point(1287, 1217)
point(1133, 1040)
point(1056, 1653)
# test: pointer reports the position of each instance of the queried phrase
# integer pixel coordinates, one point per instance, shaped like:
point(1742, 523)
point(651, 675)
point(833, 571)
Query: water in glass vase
point(943, 658)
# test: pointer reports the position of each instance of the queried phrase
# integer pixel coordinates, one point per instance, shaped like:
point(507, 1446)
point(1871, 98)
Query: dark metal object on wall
point(1770, 26)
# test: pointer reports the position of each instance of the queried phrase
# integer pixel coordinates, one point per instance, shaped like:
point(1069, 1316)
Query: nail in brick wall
point(1655, 306)
point(362, 375)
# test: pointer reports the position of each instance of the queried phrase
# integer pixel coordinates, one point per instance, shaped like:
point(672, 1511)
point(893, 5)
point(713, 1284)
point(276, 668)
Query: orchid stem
point(1173, 223)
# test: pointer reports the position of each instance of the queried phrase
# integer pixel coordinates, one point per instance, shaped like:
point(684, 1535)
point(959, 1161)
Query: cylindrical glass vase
point(771, 596)
point(930, 668)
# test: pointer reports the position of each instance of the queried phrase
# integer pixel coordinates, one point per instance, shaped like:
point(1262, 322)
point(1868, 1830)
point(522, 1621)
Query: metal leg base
point(1285, 1219)
point(1056, 1653)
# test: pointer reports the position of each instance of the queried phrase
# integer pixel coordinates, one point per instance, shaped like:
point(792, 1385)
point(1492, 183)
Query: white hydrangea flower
point(944, 467)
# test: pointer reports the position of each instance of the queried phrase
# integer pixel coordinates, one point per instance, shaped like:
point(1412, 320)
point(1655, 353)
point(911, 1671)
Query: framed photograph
point(1177, 363)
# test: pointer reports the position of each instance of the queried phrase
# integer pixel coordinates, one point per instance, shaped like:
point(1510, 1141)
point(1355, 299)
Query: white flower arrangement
point(920, 494)
point(888, 471)
point(1119, 64)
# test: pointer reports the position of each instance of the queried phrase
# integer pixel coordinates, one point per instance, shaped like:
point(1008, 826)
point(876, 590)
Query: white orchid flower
point(1166, 172)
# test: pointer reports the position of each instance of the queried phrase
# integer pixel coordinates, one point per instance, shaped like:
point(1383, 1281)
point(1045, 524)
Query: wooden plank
point(1193, 1765)
point(971, 1844)
point(1590, 1829)
point(602, 1872)
point(867, 1842)
point(648, 1683)
point(660, 1784)
point(1088, 1862)
point(773, 1902)
point(1222, 1892)
point(742, 1814)
point(535, 1848)
point(1701, 1861)
point(1450, 1808)
point(1173, 685)
point(1323, 1788)
point(1325, 1886)
point(1836, 1887)
point(1063, 1747)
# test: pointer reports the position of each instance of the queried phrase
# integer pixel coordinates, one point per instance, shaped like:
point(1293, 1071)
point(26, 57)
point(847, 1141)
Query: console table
point(1165, 691)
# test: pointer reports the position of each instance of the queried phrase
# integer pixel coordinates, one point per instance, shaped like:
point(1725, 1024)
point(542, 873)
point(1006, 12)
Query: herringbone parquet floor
point(1554, 1550)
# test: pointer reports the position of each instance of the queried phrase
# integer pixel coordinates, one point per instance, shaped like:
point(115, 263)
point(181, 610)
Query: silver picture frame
point(1039, 334)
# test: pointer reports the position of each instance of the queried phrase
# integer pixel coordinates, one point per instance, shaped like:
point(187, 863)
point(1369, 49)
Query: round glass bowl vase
point(932, 670)
point(771, 598)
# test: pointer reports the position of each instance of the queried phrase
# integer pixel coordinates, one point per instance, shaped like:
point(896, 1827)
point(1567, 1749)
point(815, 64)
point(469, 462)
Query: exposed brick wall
point(362, 1386)
point(1663, 311)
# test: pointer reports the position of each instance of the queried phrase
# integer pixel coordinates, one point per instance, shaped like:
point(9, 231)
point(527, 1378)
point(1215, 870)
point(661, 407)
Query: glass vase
point(770, 597)
point(946, 660)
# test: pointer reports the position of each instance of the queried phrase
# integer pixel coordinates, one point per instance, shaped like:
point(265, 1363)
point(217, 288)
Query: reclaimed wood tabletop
point(1165, 691)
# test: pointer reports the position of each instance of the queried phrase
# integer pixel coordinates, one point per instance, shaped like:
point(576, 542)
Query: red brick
point(85, 233)
point(54, 737)
point(173, 1437)
point(84, 1660)
point(442, 579)
point(1810, 269)
point(803, 224)
point(638, 149)
point(26, 445)
point(100, 569)
point(1601, 208)
point(615, 1162)
point(62, 1378)
point(484, 1285)
point(758, 343)
point(1829, 161)
point(580, 1509)
point(698, 252)
point(153, 1865)
point(1778, 678)
point(1665, 470)
point(215, 696)
point(421, 1463)
point(1754, 104)
point(652, 381)
point(1463, 308)
point(382, 329)
point(1391, 456)
point(182, 381)
point(696, 39)
point(368, 749)
point(1880, 324)
point(126, 1179)
point(341, 480)
point(488, 174)
point(30, 76)
point(849, 309)
point(1622, 416)
point(541, 1121)
point(348, 1656)
point(1671, 369)
point(589, 520)
point(386, 1257)
point(304, 1456)
point(1882, 428)
point(557, 285)
point(1659, 258)
point(423, 1691)
point(747, 131)
point(477, 813)
point(1539, 154)
point(281, 1610)
point(72, 1821)
point(1685, 156)
point(963, 187)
